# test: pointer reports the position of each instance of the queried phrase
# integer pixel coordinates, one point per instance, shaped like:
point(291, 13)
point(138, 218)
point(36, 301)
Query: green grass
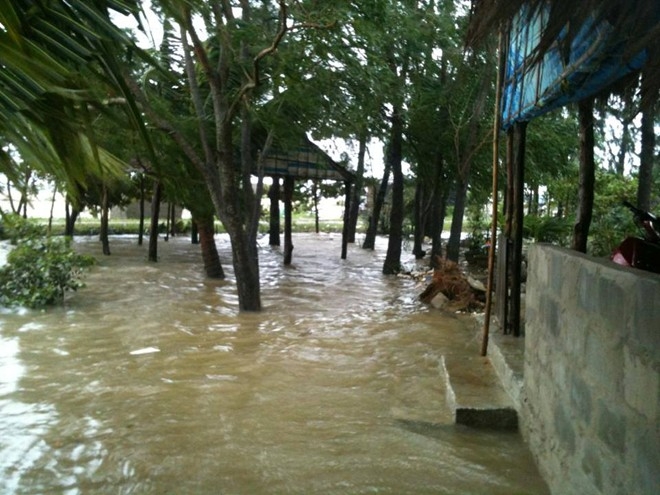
point(131, 226)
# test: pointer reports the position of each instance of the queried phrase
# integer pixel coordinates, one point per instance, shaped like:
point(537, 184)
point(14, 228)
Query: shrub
point(15, 227)
point(547, 229)
point(40, 270)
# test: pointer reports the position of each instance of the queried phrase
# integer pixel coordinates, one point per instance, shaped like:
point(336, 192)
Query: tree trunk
point(194, 232)
point(420, 200)
point(392, 262)
point(645, 180)
point(141, 225)
point(370, 238)
point(71, 214)
point(246, 268)
point(155, 214)
point(587, 176)
point(354, 212)
point(438, 211)
point(104, 221)
point(274, 230)
point(52, 208)
point(173, 220)
point(454, 244)
point(168, 216)
point(210, 256)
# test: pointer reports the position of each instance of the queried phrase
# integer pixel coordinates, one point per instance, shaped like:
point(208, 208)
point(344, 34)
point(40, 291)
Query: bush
point(547, 229)
point(15, 227)
point(40, 270)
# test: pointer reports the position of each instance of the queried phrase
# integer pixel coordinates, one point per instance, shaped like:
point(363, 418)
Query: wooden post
point(288, 196)
point(274, 224)
point(493, 228)
point(504, 242)
point(520, 131)
point(347, 212)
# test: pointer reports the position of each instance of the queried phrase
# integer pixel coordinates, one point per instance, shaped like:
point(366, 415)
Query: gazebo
point(302, 162)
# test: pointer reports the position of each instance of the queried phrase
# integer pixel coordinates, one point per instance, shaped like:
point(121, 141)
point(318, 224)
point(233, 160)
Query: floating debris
point(461, 292)
point(145, 350)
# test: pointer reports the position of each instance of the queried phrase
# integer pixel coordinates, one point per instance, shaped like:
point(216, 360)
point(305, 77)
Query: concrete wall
point(592, 374)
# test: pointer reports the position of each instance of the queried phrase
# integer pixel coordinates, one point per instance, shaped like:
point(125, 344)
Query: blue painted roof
point(593, 60)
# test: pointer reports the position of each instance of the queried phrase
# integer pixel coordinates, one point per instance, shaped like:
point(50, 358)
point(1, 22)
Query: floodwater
point(149, 381)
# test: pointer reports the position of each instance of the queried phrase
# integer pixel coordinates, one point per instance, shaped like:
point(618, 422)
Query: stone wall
point(592, 374)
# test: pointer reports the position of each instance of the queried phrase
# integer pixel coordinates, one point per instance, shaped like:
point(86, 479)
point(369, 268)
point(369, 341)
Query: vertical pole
point(288, 196)
point(493, 227)
point(274, 223)
point(517, 225)
point(504, 258)
point(347, 212)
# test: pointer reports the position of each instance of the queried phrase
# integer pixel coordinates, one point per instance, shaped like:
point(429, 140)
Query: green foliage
point(40, 270)
point(15, 227)
point(479, 225)
point(553, 230)
point(611, 222)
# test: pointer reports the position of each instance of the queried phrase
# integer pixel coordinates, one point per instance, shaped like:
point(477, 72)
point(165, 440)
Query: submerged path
point(149, 381)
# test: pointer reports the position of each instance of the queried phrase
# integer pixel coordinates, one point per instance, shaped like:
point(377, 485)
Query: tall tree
point(471, 134)
point(647, 154)
point(587, 176)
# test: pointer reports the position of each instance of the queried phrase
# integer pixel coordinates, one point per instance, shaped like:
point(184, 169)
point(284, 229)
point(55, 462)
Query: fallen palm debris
point(451, 289)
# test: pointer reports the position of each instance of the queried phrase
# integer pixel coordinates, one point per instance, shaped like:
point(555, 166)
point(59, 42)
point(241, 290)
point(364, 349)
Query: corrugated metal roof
point(307, 161)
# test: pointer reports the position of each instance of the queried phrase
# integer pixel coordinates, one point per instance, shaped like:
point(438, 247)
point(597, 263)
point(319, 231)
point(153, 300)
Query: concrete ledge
point(475, 394)
point(507, 355)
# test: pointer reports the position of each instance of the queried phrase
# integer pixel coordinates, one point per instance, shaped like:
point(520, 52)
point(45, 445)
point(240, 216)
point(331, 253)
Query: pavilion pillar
point(347, 213)
point(274, 225)
point(288, 200)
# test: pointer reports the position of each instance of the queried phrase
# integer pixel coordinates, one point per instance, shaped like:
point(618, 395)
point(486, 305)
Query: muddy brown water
point(149, 381)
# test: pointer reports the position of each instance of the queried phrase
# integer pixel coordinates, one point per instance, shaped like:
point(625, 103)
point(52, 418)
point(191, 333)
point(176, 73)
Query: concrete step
point(475, 393)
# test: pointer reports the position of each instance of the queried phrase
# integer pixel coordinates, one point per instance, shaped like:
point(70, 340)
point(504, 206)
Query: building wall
point(592, 374)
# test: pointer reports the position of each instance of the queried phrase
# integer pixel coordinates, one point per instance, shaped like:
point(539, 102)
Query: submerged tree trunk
point(141, 225)
point(173, 220)
point(194, 233)
point(168, 216)
point(210, 256)
point(392, 262)
point(356, 192)
point(587, 175)
point(454, 244)
point(420, 218)
point(71, 213)
point(155, 214)
point(438, 212)
point(104, 221)
point(379, 200)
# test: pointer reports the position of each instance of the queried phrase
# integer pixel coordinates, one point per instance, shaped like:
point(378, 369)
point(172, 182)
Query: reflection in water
point(150, 381)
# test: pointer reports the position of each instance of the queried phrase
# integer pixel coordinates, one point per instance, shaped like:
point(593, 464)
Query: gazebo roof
point(305, 161)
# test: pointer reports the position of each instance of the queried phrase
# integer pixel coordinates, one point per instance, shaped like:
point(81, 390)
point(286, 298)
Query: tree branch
point(166, 126)
point(253, 81)
point(195, 94)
